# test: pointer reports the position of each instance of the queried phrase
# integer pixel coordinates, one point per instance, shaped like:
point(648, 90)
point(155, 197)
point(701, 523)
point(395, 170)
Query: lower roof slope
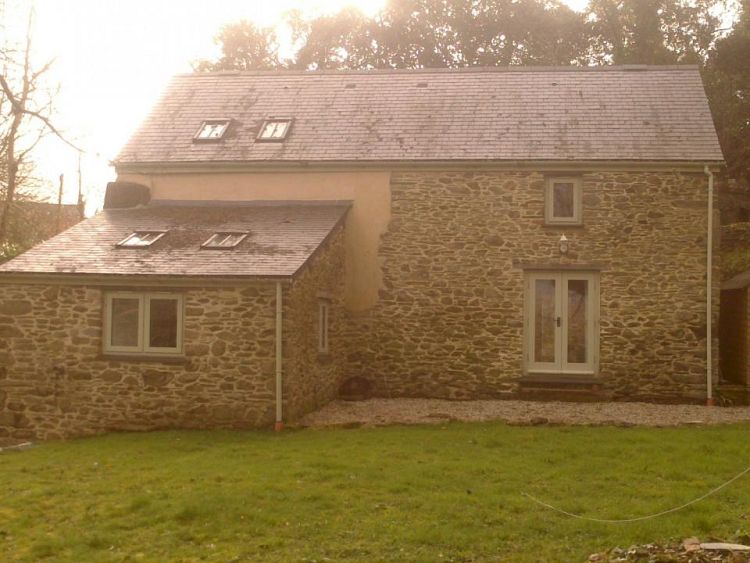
point(629, 113)
point(282, 237)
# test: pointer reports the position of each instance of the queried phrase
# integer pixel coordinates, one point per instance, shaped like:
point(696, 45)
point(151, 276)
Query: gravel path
point(378, 412)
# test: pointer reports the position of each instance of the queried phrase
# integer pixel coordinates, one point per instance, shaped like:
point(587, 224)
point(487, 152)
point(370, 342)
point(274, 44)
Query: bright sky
point(114, 57)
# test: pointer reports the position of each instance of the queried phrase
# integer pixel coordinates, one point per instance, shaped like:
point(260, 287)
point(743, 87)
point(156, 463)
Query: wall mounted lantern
point(564, 245)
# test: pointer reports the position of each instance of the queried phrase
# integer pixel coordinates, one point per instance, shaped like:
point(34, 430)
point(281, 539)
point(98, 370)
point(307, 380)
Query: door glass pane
point(562, 199)
point(162, 323)
point(124, 321)
point(544, 321)
point(577, 297)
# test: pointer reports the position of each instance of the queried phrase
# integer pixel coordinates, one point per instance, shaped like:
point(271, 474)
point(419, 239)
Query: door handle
point(557, 320)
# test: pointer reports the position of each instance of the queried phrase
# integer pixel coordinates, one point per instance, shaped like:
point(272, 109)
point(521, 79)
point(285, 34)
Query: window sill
point(556, 376)
point(143, 358)
point(563, 225)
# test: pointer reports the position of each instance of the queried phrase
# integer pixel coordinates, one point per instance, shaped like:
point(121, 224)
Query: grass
point(419, 493)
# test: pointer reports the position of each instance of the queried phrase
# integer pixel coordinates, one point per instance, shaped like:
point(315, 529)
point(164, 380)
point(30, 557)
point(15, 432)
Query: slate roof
point(281, 239)
point(629, 113)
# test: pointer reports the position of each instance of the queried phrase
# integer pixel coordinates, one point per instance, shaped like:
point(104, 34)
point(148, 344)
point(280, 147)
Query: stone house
point(485, 233)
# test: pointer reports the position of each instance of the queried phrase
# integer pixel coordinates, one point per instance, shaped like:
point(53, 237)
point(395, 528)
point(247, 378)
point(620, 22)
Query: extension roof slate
point(282, 237)
point(615, 113)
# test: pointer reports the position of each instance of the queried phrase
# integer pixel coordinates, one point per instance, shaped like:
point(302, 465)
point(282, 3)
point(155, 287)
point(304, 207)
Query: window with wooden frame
point(140, 239)
point(224, 240)
point(143, 323)
point(274, 129)
point(211, 130)
point(563, 201)
point(323, 320)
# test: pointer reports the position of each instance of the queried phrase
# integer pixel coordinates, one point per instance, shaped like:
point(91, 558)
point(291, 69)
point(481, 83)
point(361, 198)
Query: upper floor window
point(227, 240)
point(141, 239)
point(143, 323)
point(212, 130)
point(274, 129)
point(563, 201)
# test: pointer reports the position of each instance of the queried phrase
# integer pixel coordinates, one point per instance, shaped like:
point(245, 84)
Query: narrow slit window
point(212, 130)
point(323, 319)
point(222, 241)
point(274, 130)
point(563, 201)
point(141, 239)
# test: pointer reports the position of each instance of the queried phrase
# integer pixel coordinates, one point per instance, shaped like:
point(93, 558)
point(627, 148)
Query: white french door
point(562, 322)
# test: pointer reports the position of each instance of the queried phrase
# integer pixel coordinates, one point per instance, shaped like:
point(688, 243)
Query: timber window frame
point(140, 239)
point(554, 195)
point(274, 130)
point(224, 240)
point(140, 341)
point(211, 130)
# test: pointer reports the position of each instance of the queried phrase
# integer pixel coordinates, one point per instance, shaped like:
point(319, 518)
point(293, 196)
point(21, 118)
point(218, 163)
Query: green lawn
point(419, 493)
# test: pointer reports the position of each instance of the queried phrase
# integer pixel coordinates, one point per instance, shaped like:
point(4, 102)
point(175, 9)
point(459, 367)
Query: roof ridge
point(462, 70)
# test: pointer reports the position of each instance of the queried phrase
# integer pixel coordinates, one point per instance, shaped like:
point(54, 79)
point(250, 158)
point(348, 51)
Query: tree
point(461, 33)
point(244, 46)
point(727, 78)
point(445, 33)
point(25, 118)
point(652, 31)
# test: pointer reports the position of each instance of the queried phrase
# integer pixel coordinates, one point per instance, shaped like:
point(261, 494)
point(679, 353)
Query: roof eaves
point(175, 280)
point(219, 165)
point(441, 70)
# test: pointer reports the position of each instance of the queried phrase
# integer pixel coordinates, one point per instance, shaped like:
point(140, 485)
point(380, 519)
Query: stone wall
point(312, 379)
point(54, 381)
point(449, 322)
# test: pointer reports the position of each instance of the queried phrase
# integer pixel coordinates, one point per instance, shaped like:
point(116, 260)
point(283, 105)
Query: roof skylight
point(212, 130)
point(141, 239)
point(275, 129)
point(225, 240)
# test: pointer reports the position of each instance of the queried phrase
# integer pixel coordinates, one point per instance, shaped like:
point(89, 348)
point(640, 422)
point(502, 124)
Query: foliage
point(461, 33)
point(445, 33)
point(727, 78)
point(244, 46)
point(735, 249)
point(429, 493)
point(652, 31)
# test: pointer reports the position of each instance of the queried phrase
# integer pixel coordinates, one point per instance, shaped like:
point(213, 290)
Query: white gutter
point(709, 289)
point(279, 398)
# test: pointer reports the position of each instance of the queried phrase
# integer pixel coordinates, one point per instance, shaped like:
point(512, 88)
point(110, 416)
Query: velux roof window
point(275, 129)
point(141, 239)
point(212, 130)
point(224, 241)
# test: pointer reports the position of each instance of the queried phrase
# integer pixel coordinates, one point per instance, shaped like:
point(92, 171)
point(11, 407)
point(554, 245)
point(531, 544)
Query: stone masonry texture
point(55, 382)
point(312, 379)
point(449, 321)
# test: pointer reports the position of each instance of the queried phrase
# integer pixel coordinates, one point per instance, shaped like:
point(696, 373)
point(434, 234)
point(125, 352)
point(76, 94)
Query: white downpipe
point(709, 289)
point(279, 398)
